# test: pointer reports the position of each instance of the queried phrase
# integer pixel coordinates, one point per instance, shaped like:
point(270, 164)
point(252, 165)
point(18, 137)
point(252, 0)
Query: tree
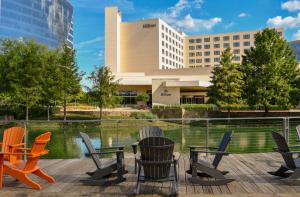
point(51, 84)
point(143, 97)
point(70, 84)
point(270, 70)
point(22, 65)
point(227, 83)
point(104, 88)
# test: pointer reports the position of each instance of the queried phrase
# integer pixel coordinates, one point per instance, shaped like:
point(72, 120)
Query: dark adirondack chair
point(291, 164)
point(147, 131)
point(206, 169)
point(104, 168)
point(157, 163)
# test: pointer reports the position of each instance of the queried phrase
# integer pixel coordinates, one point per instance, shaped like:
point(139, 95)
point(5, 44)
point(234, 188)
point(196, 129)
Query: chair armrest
point(140, 161)
point(211, 152)
point(104, 153)
point(294, 146)
point(17, 145)
point(134, 147)
point(206, 147)
point(111, 147)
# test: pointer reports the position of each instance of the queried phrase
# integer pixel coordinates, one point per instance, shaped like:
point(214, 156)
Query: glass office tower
point(47, 21)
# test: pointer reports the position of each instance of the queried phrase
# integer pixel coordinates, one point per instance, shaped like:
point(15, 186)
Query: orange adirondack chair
point(21, 170)
point(11, 141)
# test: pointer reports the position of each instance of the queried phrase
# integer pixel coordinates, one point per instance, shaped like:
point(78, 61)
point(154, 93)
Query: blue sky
point(191, 16)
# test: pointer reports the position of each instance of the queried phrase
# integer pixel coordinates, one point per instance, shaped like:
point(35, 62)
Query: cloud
point(229, 25)
point(243, 14)
point(185, 22)
point(296, 35)
point(287, 22)
point(86, 43)
point(291, 6)
point(124, 5)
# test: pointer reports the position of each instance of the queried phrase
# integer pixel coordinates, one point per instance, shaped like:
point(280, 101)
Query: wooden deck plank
point(249, 170)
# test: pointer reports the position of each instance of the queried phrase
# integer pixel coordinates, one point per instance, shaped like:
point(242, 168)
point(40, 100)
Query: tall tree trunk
point(48, 112)
point(65, 108)
point(27, 110)
point(228, 114)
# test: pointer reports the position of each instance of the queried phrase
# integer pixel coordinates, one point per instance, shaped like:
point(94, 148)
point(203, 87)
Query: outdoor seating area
point(152, 168)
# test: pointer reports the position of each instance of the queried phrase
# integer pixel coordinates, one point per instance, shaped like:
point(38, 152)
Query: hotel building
point(173, 68)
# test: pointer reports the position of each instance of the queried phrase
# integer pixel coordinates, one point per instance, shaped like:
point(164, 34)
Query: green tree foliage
point(227, 83)
point(70, 84)
point(31, 74)
point(270, 71)
point(144, 97)
point(104, 88)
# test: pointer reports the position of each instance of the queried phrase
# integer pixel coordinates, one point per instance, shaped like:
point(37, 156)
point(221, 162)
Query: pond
point(250, 136)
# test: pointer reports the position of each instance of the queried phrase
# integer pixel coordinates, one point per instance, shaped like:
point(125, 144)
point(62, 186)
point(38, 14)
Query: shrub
point(143, 115)
point(144, 97)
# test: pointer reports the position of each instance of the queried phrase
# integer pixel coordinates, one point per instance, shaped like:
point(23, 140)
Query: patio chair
point(21, 170)
point(11, 141)
point(291, 164)
point(148, 131)
point(205, 169)
point(105, 168)
point(156, 163)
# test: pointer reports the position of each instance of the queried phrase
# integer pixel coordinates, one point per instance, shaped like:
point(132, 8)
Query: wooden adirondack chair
point(156, 162)
point(30, 166)
point(291, 163)
point(11, 141)
point(203, 168)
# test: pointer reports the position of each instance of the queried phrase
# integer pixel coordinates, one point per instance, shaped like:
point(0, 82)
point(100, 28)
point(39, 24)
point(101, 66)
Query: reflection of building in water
point(47, 21)
point(110, 141)
point(243, 140)
point(261, 140)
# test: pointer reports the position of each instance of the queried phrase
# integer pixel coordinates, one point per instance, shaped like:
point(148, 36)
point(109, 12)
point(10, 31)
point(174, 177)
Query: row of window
point(216, 46)
point(217, 39)
point(174, 57)
point(207, 53)
point(172, 41)
point(171, 33)
point(169, 47)
point(171, 62)
point(208, 60)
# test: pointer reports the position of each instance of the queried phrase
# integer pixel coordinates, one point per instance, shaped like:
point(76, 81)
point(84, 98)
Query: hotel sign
point(165, 93)
point(149, 25)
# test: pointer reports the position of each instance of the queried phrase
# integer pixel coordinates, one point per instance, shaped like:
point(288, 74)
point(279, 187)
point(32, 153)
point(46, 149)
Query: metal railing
point(250, 134)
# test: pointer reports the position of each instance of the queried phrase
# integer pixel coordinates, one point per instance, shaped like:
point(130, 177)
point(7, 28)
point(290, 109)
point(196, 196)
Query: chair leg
point(294, 175)
point(280, 172)
point(40, 173)
point(137, 189)
point(27, 181)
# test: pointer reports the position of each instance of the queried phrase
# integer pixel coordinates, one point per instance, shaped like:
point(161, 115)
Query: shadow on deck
point(249, 170)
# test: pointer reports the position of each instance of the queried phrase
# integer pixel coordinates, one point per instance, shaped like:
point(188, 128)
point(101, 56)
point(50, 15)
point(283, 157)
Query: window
point(216, 46)
point(198, 47)
point(207, 65)
point(236, 44)
point(162, 35)
point(216, 39)
point(216, 59)
point(163, 51)
point(163, 43)
point(198, 60)
point(191, 41)
point(226, 45)
point(191, 48)
point(206, 39)
point(216, 52)
point(246, 44)
point(236, 37)
point(236, 51)
point(207, 53)
point(163, 27)
point(225, 38)
point(236, 58)
point(191, 61)
point(246, 36)
point(163, 59)
point(167, 53)
point(199, 54)
point(167, 37)
point(207, 46)
point(207, 60)
point(198, 40)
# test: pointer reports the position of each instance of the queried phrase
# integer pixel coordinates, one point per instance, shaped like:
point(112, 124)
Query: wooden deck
point(249, 170)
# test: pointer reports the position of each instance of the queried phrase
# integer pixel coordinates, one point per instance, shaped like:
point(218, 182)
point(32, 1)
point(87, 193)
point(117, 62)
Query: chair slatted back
point(156, 155)
point(38, 149)
point(298, 131)
point(86, 140)
point(284, 148)
point(151, 131)
point(12, 136)
point(222, 147)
